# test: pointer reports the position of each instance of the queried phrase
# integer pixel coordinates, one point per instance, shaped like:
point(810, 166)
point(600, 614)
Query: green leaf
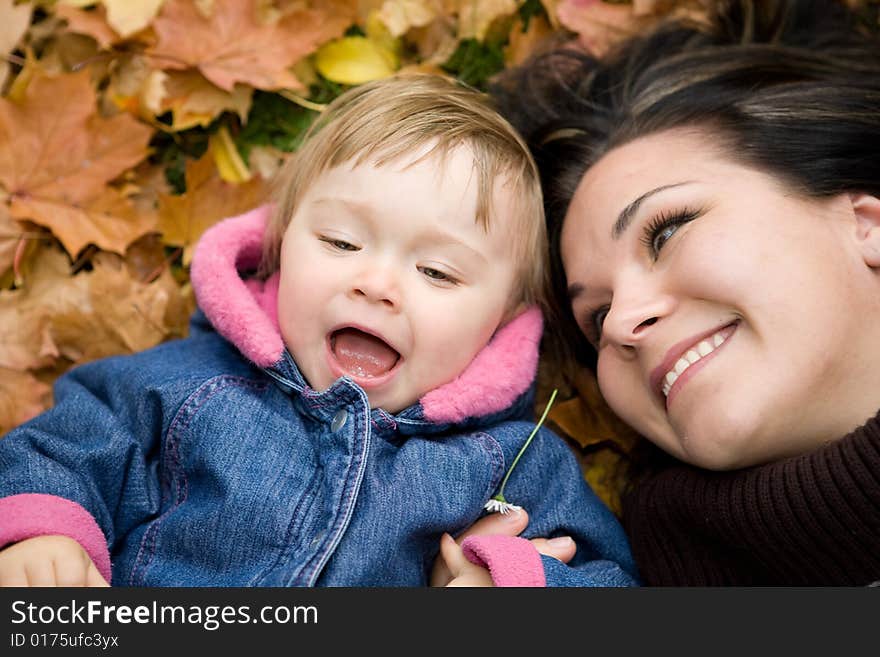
point(474, 63)
point(274, 121)
point(529, 10)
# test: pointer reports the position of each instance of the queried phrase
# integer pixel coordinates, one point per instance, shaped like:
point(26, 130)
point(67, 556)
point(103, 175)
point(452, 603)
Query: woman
point(713, 198)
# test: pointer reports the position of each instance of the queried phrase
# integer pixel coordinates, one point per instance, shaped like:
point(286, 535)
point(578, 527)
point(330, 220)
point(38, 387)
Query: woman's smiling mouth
point(683, 360)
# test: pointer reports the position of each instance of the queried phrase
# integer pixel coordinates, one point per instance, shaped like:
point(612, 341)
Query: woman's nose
point(631, 317)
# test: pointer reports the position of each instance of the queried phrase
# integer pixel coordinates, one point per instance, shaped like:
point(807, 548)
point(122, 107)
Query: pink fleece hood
point(245, 312)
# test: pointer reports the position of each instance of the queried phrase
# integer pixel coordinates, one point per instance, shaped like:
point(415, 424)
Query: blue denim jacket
point(202, 467)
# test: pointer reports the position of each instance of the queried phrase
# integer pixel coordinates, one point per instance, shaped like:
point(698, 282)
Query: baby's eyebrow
point(441, 238)
point(624, 219)
point(354, 206)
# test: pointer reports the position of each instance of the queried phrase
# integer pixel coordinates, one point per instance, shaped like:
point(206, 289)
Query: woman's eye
point(437, 275)
point(598, 319)
point(661, 228)
point(662, 236)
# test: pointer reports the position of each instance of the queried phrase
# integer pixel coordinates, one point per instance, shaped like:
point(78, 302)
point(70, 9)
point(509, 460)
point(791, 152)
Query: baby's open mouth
point(362, 354)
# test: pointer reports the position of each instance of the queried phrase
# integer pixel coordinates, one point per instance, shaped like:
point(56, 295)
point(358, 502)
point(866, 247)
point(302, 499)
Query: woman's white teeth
point(704, 348)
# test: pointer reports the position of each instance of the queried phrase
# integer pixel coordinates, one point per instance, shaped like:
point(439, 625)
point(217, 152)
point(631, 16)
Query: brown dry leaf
point(523, 45)
point(112, 312)
point(10, 235)
point(25, 340)
point(55, 165)
point(146, 259)
point(91, 23)
point(193, 100)
point(110, 220)
point(400, 16)
point(14, 21)
point(135, 87)
point(232, 46)
point(70, 52)
point(587, 419)
point(598, 24)
point(607, 472)
point(208, 199)
point(22, 396)
point(435, 42)
point(90, 315)
point(130, 16)
point(475, 16)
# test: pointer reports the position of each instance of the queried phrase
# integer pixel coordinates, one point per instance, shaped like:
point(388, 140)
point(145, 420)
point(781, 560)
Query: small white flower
point(499, 503)
point(495, 505)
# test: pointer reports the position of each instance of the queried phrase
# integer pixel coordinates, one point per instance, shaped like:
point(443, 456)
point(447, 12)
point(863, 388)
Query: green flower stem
point(500, 495)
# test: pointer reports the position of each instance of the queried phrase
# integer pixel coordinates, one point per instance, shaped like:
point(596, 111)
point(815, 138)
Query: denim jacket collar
point(497, 384)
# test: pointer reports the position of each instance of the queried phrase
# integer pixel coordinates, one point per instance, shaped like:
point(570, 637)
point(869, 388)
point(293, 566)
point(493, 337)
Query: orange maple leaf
point(208, 199)
point(92, 23)
point(22, 396)
point(232, 45)
point(55, 165)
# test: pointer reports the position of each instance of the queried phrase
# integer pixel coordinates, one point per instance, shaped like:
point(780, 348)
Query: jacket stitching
point(176, 474)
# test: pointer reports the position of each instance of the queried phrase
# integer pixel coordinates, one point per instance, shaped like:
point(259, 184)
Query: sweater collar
point(245, 312)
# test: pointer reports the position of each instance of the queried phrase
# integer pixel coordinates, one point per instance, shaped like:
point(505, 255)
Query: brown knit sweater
point(809, 520)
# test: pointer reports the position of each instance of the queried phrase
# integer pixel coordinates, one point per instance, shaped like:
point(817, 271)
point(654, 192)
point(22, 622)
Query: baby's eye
point(342, 245)
point(437, 275)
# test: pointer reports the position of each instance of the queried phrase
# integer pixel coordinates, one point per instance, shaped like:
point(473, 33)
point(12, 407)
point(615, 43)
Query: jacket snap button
point(339, 420)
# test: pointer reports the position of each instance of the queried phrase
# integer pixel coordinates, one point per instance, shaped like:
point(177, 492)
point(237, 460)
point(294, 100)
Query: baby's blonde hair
point(386, 119)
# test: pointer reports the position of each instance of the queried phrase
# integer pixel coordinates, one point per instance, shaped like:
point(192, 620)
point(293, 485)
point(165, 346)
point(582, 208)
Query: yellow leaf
point(355, 60)
point(130, 16)
point(229, 163)
point(378, 33)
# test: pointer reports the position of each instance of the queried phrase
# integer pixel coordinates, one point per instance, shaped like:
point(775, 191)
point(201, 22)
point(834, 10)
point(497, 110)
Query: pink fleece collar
point(245, 312)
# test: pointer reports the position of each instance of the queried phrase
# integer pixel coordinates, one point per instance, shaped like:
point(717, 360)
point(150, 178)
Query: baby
point(357, 382)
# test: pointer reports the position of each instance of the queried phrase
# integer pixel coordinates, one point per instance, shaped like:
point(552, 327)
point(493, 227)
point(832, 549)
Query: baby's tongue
point(362, 354)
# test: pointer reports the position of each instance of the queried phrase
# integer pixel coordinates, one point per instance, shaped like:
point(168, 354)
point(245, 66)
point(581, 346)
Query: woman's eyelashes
point(657, 232)
point(593, 329)
point(660, 228)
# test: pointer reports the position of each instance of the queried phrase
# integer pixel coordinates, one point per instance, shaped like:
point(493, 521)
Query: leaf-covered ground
point(128, 127)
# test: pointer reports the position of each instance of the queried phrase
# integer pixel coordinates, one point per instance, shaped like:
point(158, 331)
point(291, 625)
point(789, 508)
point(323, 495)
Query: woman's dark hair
point(788, 87)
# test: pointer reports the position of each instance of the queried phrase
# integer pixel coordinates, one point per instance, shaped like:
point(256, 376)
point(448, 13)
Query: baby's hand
point(462, 571)
point(48, 561)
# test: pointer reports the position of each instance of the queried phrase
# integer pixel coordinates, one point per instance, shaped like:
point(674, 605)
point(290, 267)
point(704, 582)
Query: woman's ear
point(867, 213)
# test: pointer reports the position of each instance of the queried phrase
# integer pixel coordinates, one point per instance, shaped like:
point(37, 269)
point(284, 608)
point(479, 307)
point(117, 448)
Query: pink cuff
point(36, 514)
point(512, 561)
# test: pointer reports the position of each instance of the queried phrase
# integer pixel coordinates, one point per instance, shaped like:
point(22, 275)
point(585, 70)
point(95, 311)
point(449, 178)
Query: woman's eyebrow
point(626, 215)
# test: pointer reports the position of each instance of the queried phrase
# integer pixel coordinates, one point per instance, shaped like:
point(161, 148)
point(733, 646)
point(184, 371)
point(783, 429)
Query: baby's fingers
point(40, 573)
point(93, 577)
point(562, 548)
point(453, 555)
point(13, 577)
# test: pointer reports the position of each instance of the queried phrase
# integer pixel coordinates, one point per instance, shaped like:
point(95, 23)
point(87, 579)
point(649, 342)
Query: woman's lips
point(686, 358)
